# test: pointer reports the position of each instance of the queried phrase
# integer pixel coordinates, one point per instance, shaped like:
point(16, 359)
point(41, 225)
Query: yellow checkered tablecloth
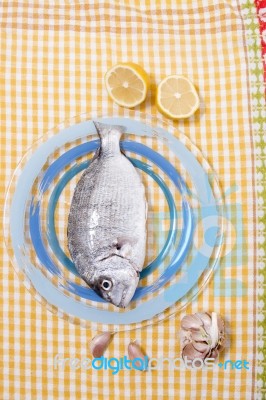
point(53, 58)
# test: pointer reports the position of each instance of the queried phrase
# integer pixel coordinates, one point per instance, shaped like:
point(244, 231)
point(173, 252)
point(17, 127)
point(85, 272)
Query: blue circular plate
point(53, 275)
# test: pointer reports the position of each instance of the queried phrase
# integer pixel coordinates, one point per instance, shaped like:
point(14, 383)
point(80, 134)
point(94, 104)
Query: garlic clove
point(191, 322)
point(191, 353)
point(185, 336)
point(134, 351)
point(199, 336)
point(100, 343)
point(201, 347)
point(205, 318)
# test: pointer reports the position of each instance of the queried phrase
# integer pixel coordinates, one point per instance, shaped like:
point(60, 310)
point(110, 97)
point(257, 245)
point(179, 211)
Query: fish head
point(115, 280)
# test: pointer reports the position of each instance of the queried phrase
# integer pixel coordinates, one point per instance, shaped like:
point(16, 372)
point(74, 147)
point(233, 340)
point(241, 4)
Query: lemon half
point(177, 97)
point(127, 84)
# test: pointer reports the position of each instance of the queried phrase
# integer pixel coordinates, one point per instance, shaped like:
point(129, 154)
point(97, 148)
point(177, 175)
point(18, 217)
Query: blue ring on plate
point(186, 235)
point(77, 168)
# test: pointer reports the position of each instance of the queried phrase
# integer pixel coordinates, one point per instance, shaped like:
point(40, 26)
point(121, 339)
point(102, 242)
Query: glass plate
point(185, 220)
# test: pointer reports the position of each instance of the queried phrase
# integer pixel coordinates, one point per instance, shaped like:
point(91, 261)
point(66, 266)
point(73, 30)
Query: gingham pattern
point(53, 58)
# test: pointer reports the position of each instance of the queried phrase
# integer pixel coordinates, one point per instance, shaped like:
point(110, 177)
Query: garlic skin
point(100, 343)
point(202, 335)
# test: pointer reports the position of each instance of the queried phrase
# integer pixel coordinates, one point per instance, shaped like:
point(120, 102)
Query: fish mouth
point(127, 295)
point(122, 303)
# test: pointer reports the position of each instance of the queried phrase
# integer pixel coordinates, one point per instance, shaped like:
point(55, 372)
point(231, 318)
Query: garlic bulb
point(100, 343)
point(202, 335)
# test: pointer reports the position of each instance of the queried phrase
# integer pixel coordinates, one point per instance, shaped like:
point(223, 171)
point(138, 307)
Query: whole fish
point(107, 221)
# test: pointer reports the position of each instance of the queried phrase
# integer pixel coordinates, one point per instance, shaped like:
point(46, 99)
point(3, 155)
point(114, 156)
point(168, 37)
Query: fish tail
point(110, 136)
point(105, 130)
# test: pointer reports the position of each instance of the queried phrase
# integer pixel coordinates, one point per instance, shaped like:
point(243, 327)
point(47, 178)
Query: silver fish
point(107, 221)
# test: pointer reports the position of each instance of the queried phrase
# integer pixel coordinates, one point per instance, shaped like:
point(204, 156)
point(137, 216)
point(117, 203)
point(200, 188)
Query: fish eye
point(106, 284)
